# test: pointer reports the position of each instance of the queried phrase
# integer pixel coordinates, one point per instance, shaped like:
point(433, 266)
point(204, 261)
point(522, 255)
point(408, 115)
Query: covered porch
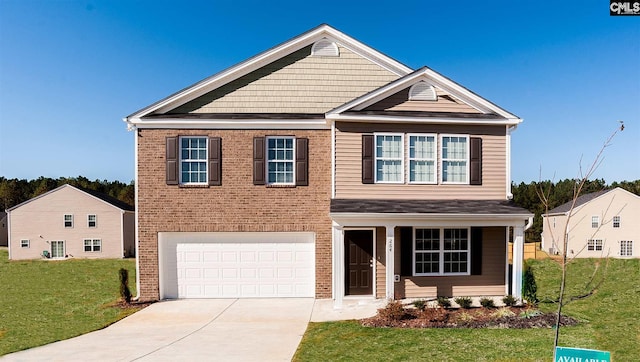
point(396, 249)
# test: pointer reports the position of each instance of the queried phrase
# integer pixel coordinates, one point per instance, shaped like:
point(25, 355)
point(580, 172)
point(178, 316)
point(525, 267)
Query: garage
point(236, 265)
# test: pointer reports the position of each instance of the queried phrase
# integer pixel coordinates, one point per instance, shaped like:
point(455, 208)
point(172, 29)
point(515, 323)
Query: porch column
point(518, 259)
point(389, 258)
point(338, 265)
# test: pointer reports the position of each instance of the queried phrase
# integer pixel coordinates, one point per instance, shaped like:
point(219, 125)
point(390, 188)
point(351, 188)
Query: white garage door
point(237, 265)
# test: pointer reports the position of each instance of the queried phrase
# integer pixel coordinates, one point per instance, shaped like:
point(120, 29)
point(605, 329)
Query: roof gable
point(100, 197)
point(261, 60)
point(453, 103)
point(587, 198)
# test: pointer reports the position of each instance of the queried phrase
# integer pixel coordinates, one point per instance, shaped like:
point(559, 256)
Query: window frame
point(182, 160)
point(65, 221)
point(93, 245)
point(376, 158)
point(616, 221)
point(467, 160)
point(595, 221)
point(441, 252)
point(292, 161)
point(24, 245)
point(89, 221)
point(626, 247)
point(434, 159)
point(595, 245)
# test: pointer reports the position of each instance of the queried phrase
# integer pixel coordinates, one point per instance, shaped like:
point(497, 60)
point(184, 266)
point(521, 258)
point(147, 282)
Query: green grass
point(46, 301)
point(610, 321)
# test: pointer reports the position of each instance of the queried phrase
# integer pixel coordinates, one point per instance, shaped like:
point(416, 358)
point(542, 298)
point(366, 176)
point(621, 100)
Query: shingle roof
point(485, 207)
point(581, 200)
point(106, 198)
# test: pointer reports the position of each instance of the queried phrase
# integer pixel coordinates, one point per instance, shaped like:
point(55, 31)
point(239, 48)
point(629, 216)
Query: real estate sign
point(566, 354)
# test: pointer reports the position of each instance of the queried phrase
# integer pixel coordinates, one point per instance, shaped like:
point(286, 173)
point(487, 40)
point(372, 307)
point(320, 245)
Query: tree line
point(16, 191)
point(561, 192)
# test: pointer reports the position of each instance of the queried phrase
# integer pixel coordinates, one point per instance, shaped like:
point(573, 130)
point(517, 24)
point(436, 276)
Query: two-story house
point(324, 168)
point(600, 224)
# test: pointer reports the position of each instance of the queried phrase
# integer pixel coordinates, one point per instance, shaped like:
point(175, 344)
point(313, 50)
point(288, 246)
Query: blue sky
point(71, 70)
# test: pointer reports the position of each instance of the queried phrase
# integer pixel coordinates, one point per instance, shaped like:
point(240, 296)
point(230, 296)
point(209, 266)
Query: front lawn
point(609, 321)
point(45, 301)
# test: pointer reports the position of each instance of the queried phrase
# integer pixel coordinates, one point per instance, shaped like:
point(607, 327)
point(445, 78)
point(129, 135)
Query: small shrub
point(509, 300)
point(420, 304)
point(465, 317)
point(487, 303)
point(503, 313)
point(393, 311)
point(529, 313)
point(444, 302)
point(464, 302)
point(125, 293)
point(529, 286)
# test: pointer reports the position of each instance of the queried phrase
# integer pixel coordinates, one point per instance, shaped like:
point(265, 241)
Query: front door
point(57, 249)
point(358, 262)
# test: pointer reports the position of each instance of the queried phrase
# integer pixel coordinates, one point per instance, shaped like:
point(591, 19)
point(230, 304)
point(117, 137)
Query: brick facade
point(236, 206)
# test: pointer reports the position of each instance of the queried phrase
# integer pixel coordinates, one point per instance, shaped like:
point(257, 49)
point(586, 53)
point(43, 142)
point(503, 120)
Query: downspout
point(132, 127)
point(9, 232)
point(510, 130)
point(529, 223)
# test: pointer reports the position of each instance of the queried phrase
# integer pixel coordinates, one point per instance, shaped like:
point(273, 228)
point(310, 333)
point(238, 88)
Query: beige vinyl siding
point(348, 166)
point(445, 103)
point(297, 83)
point(492, 281)
point(41, 221)
point(381, 277)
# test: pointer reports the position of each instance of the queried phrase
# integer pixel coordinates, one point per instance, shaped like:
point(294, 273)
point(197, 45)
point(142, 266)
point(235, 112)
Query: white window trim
point(595, 221)
point(442, 159)
point(95, 221)
point(64, 221)
point(25, 243)
point(628, 248)
point(206, 161)
point(596, 243)
point(617, 220)
point(267, 161)
point(92, 241)
point(376, 158)
point(435, 158)
point(441, 252)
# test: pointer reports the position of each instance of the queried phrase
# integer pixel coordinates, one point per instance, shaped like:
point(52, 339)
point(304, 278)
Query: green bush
point(509, 300)
point(464, 302)
point(420, 304)
point(529, 286)
point(394, 311)
point(444, 302)
point(487, 303)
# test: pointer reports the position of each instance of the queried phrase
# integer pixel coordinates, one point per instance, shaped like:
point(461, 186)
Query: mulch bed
point(515, 317)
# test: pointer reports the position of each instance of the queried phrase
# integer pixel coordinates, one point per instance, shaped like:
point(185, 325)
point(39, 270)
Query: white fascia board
point(421, 120)
point(181, 123)
point(411, 219)
point(267, 57)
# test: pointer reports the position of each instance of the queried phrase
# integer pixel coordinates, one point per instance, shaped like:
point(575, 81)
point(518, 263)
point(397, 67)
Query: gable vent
point(422, 91)
point(325, 48)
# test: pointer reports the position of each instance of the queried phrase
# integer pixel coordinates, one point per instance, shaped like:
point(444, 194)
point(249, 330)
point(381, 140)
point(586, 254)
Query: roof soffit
point(265, 58)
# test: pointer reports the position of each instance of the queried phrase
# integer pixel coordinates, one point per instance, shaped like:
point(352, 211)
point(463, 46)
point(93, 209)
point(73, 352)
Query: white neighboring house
point(604, 223)
point(71, 222)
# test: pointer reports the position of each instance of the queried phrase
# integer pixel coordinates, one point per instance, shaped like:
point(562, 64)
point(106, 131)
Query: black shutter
point(367, 159)
point(475, 158)
point(302, 162)
point(258, 161)
point(476, 251)
point(172, 160)
point(215, 161)
point(406, 251)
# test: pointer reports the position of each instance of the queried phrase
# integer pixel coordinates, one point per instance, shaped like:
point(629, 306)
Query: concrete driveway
point(193, 330)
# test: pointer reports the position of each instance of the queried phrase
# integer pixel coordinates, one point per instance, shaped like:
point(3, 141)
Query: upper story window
point(595, 221)
point(616, 221)
point(455, 159)
point(92, 220)
point(193, 160)
point(68, 220)
point(422, 159)
point(389, 158)
point(280, 160)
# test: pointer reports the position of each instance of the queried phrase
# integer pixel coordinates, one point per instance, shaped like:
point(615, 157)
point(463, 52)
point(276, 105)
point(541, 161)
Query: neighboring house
point(71, 222)
point(323, 168)
point(602, 224)
point(3, 229)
